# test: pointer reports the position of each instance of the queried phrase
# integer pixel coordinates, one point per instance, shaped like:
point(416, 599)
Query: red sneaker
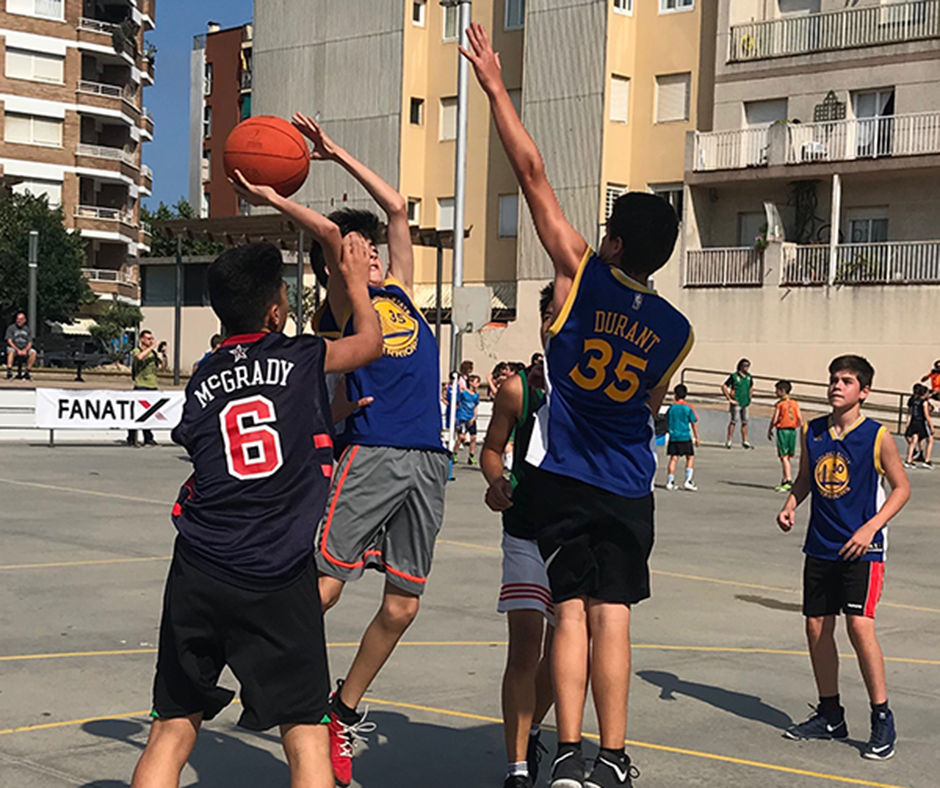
point(343, 739)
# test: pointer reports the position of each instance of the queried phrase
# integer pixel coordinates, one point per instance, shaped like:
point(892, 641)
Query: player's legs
point(820, 634)
point(520, 685)
point(744, 440)
point(929, 450)
point(689, 462)
point(673, 462)
point(570, 667)
point(731, 428)
point(609, 624)
point(787, 469)
point(871, 662)
point(307, 748)
point(168, 748)
point(911, 442)
point(331, 588)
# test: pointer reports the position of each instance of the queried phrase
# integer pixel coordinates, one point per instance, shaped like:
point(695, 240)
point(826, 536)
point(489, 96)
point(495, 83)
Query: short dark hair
point(742, 362)
point(784, 385)
point(349, 220)
point(516, 366)
point(535, 357)
point(146, 331)
point(474, 377)
point(501, 367)
point(920, 389)
point(243, 284)
point(857, 365)
point(681, 391)
point(546, 296)
point(215, 341)
point(648, 227)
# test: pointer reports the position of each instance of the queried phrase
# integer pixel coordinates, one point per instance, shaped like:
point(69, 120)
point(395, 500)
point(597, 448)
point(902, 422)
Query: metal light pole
point(33, 276)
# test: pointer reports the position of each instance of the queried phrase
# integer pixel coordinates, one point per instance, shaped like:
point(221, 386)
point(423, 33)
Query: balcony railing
point(146, 171)
point(108, 214)
point(101, 152)
point(110, 91)
point(96, 25)
point(147, 114)
point(108, 275)
point(731, 150)
point(146, 228)
point(864, 138)
point(889, 263)
point(733, 267)
point(869, 25)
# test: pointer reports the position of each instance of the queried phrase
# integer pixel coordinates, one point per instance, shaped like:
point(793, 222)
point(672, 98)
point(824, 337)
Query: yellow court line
point(468, 544)
point(86, 492)
point(65, 723)
point(94, 562)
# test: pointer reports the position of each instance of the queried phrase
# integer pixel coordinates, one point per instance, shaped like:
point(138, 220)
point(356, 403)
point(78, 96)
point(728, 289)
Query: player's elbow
point(397, 206)
point(531, 172)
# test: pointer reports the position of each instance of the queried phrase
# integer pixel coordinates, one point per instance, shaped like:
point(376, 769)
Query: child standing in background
point(683, 424)
point(787, 420)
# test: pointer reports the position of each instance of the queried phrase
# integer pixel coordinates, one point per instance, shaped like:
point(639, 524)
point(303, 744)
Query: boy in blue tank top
point(611, 351)
point(843, 459)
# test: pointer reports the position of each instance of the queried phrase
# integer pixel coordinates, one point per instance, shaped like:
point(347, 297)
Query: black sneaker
point(519, 781)
point(533, 755)
point(610, 772)
point(818, 726)
point(880, 746)
point(568, 768)
point(9, 373)
point(27, 376)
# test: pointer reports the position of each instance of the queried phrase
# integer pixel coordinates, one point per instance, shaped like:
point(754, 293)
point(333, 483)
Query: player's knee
point(859, 626)
point(399, 611)
point(175, 736)
point(816, 626)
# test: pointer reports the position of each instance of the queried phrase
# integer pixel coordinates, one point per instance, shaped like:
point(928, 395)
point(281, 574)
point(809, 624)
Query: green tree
point(111, 326)
point(61, 287)
point(163, 245)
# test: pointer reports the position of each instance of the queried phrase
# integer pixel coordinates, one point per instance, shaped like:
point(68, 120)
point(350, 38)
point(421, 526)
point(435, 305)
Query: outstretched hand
point(324, 149)
point(484, 60)
point(254, 194)
point(354, 262)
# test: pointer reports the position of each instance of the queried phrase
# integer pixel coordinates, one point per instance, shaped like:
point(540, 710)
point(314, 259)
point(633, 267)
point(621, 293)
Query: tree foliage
point(165, 246)
point(61, 287)
point(112, 325)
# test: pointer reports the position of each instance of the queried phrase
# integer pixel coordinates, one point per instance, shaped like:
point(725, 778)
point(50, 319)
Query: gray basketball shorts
point(384, 512)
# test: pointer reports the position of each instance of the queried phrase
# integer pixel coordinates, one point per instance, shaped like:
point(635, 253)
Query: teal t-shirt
point(680, 418)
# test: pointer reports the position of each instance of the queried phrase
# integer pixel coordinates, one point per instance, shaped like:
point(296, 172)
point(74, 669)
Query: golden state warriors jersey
point(613, 342)
point(846, 486)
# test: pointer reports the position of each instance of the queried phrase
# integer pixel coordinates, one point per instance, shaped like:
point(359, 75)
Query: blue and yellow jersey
point(405, 381)
point(846, 486)
point(613, 342)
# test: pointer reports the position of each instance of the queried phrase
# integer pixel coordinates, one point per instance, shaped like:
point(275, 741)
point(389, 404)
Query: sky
point(176, 23)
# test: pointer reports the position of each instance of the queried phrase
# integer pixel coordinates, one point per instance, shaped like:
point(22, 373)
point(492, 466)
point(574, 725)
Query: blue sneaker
point(880, 746)
point(818, 727)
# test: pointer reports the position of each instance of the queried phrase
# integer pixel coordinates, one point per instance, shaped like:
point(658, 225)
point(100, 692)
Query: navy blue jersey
point(847, 486)
point(405, 381)
point(613, 342)
point(257, 426)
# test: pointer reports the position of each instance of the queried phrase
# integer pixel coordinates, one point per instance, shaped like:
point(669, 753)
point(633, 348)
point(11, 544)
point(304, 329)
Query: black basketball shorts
point(595, 543)
point(272, 640)
point(833, 587)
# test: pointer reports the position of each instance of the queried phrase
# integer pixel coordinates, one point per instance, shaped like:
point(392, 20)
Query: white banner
point(77, 409)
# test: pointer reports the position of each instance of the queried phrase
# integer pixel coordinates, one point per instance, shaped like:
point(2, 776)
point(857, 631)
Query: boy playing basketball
point(525, 596)
point(683, 426)
point(842, 462)
point(242, 587)
point(611, 351)
point(468, 401)
point(787, 420)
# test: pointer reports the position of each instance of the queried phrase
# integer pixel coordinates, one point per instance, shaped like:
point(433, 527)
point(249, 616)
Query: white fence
point(729, 267)
point(102, 152)
point(96, 25)
point(731, 150)
point(890, 263)
point(868, 25)
point(98, 212)
point(864, 138)
point(108, 275)
point(110, 91)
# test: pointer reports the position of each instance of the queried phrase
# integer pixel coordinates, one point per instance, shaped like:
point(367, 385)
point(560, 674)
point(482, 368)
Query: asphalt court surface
point(719, 661)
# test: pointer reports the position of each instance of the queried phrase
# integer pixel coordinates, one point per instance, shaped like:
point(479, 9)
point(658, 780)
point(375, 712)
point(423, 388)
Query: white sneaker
point(926, 466)
point(747, 445)
point(671, 486)
point(728, 444)
point(690, 485)
point(909, 464)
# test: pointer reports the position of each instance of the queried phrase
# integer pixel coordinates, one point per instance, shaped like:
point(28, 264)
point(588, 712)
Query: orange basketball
point(268, 151)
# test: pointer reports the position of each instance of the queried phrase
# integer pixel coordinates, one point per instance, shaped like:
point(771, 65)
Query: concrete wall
point(197, 69)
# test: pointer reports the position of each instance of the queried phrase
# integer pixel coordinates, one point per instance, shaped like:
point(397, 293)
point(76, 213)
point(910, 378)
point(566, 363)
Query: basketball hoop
point(488, 337)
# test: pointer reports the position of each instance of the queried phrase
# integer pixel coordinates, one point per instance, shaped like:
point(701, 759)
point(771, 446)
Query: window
point(508, 215)
point(672, 97)
point(763, 113)
point(515, 15)
point(204, 207)
point(451, 22)
point(206, 166)
point(671, 6)
point(515, 96)
point(624, 6)
point(418, 10)
point(36, 66)
point(619, 99)
point(207, 81)
point(445, 213)
point(614, 190)
point(207, 122)
point(671, 193)
point(449, 118)
point(416, 113)
point(32, 130)
point(52, 190)
point(751, 226)
point(50, 9)
point(158, 285)
point(798, 7)
point(414, 211)
point(868, 225)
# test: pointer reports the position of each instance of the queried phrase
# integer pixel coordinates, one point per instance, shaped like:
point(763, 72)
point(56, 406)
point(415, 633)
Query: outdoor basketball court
point(719, 664)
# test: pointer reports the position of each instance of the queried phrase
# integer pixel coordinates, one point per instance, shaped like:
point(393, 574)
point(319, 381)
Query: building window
point(204, 206)
point(207, 81)
point(158, 285)
point(672, 97)
point(671, 6)
point(49, 9)
point(614, 190)
point(207, 122)
point(671, 193)
point(418, 10)
point(416, 113)
point(515, 96)
point(515, 15)
point(868, 225)
point(206, 166)
point(414, 211)
point(619, 99)
point(445, 213)
point(32, 130)
point(624, 7)
point(451, 23)
point(508, 215)
point(765, 112)
point(449, 118)
point(51, 190)
point(35, 66)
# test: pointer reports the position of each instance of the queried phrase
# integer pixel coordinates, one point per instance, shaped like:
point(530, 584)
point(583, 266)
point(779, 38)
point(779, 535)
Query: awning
point(81, 327)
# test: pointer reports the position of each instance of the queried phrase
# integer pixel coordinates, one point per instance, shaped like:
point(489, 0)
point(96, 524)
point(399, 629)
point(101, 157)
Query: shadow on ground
point(771, 604)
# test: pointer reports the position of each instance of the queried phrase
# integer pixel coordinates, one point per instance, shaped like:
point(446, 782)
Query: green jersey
point(741, 386)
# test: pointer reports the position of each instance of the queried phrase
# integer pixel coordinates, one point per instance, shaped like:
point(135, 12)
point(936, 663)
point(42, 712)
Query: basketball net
point(488, 337)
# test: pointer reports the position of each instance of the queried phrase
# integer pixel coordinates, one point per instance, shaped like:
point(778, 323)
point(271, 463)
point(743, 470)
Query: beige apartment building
point(73, 124)
point(812, 211)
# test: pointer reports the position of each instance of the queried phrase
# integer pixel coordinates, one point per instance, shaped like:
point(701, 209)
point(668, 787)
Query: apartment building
point(812, 215)
point(608, 89)
point(220, 98)
point(74, 123)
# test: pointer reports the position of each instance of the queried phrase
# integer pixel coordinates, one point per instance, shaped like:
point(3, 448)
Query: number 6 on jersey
point(252, 449)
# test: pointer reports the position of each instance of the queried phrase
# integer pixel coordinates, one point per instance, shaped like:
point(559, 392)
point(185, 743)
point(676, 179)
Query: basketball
point(268, 151)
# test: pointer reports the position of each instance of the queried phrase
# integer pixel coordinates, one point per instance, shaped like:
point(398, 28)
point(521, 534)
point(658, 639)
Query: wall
point(223, 51)
point(197, 69)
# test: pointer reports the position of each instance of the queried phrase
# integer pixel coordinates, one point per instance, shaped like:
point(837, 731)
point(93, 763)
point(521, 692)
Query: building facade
point(220, 98)
point(74, 123)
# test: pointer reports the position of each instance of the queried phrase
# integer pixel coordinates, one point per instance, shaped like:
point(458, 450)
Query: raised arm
point(564, 244)
point(401, 263)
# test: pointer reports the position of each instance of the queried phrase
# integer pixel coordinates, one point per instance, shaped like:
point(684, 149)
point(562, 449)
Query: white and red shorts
point(525, 581)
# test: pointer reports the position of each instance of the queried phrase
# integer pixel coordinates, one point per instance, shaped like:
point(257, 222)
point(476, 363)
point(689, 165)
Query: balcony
point(146, 171)
point(112, 284)
point(870, 25)
point(123, 92)
point(96, 26)
point(727, 267)
point(889, 263)
point(107, 214)
point(101, 152)
point(731, 150)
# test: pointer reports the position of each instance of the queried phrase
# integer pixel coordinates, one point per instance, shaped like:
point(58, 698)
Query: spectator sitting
point(213, 346)
point(20, 346)
point(934, 377)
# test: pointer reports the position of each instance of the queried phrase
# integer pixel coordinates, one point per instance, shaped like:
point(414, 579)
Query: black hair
point(648, 227)
point(784, 385)
point(146, 331)
point(215, 341)
point(920, 389)
point(536, 357)
point(243, 284)
point(349, 220)
point(516, 366)
point(857, 365)
point(546, 296)
point(741, 363)
point(682, 391)
point(501, 367)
